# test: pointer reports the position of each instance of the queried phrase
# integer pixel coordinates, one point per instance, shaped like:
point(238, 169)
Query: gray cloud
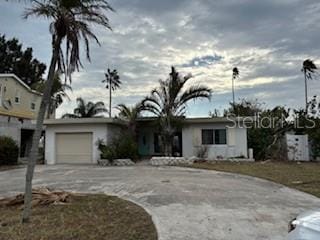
point(266, 40)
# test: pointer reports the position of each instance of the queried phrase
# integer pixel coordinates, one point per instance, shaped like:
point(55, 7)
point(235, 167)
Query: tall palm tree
point(235, 74)
point(131, 114)
point(86, 110)
point(309, 68)
point(112, 80)
point(58, 92)
point(71, 22)
point(168, 103)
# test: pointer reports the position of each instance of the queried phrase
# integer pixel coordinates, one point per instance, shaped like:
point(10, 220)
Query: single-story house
point(74, 141)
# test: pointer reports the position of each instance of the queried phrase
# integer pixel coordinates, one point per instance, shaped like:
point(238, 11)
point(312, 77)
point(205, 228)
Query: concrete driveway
point(184, 203)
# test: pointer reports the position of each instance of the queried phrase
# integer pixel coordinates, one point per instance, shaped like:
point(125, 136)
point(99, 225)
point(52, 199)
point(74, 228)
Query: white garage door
point(74, 148)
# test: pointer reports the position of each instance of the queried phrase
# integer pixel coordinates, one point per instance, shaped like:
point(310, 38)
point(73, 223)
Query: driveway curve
point(184, 203)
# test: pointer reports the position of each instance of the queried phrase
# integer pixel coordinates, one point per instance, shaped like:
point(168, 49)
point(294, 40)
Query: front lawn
point(302, 176)
point(89, 217)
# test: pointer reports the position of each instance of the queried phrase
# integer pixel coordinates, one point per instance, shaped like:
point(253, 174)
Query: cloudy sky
point(267, 40)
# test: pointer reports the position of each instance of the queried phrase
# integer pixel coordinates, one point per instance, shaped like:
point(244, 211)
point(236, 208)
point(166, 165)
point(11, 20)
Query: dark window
point(33, 106)
point(157, 143)
point(214, 136)
point(16, 100)
point(220, 136)
point(207, 136)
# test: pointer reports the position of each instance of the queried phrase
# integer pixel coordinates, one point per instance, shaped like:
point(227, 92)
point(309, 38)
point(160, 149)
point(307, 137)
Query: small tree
point(112, 80)
point(131, 115)
point(9, 151)
point(264, 136)
point(86, 110)
point(168, 103)
point(58, 92)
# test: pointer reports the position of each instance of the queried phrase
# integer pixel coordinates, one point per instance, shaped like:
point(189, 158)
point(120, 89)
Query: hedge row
point(9, 151)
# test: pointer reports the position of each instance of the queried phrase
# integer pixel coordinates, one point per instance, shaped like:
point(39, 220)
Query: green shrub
point(123, 146)
point(9, 151)
point(108, 152)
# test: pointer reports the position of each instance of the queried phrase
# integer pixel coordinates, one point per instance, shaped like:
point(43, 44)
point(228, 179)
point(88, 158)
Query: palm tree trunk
point(37, 134)
point(234, 107)
point(306, 91)
point(110, 92)
point(49, 108)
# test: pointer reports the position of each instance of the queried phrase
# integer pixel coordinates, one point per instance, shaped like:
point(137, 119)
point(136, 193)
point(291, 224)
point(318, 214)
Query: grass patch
point(88, 217)
point(302, 176)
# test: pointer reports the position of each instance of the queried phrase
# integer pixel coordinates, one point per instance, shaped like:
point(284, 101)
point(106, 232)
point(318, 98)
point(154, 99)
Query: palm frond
point(70, 115)
point(235, 73)
point(194, 92)
point(309, 68)
point(71, 22)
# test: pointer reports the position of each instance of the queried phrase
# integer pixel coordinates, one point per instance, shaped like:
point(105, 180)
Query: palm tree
point(71, 21)
point(86, 110)
point(309, 68)
point(168, 103)
point(235, 74)
point(58, 92)
point(131, 114)
point(112, 80)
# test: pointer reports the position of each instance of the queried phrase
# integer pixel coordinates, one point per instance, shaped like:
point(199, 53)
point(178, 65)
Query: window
point(207, 136)
point(33, 106)
point(17, 97)
point(220, 136)
point(214, 136)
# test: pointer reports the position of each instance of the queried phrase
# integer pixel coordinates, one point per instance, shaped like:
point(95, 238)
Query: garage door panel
point(74, 148)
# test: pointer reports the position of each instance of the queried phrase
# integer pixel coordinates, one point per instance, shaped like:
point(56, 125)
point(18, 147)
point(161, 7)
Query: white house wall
point(236, 141)
point(297, 147)
point(12, 131)
point(11, 127)
point(99, 131)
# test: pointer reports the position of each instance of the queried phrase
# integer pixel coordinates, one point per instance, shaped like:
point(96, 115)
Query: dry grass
point(302, 176)
point(91, 217)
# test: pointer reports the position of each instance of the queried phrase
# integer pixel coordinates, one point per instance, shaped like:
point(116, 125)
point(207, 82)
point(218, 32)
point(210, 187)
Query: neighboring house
point(19, 106)
point(75, 140)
